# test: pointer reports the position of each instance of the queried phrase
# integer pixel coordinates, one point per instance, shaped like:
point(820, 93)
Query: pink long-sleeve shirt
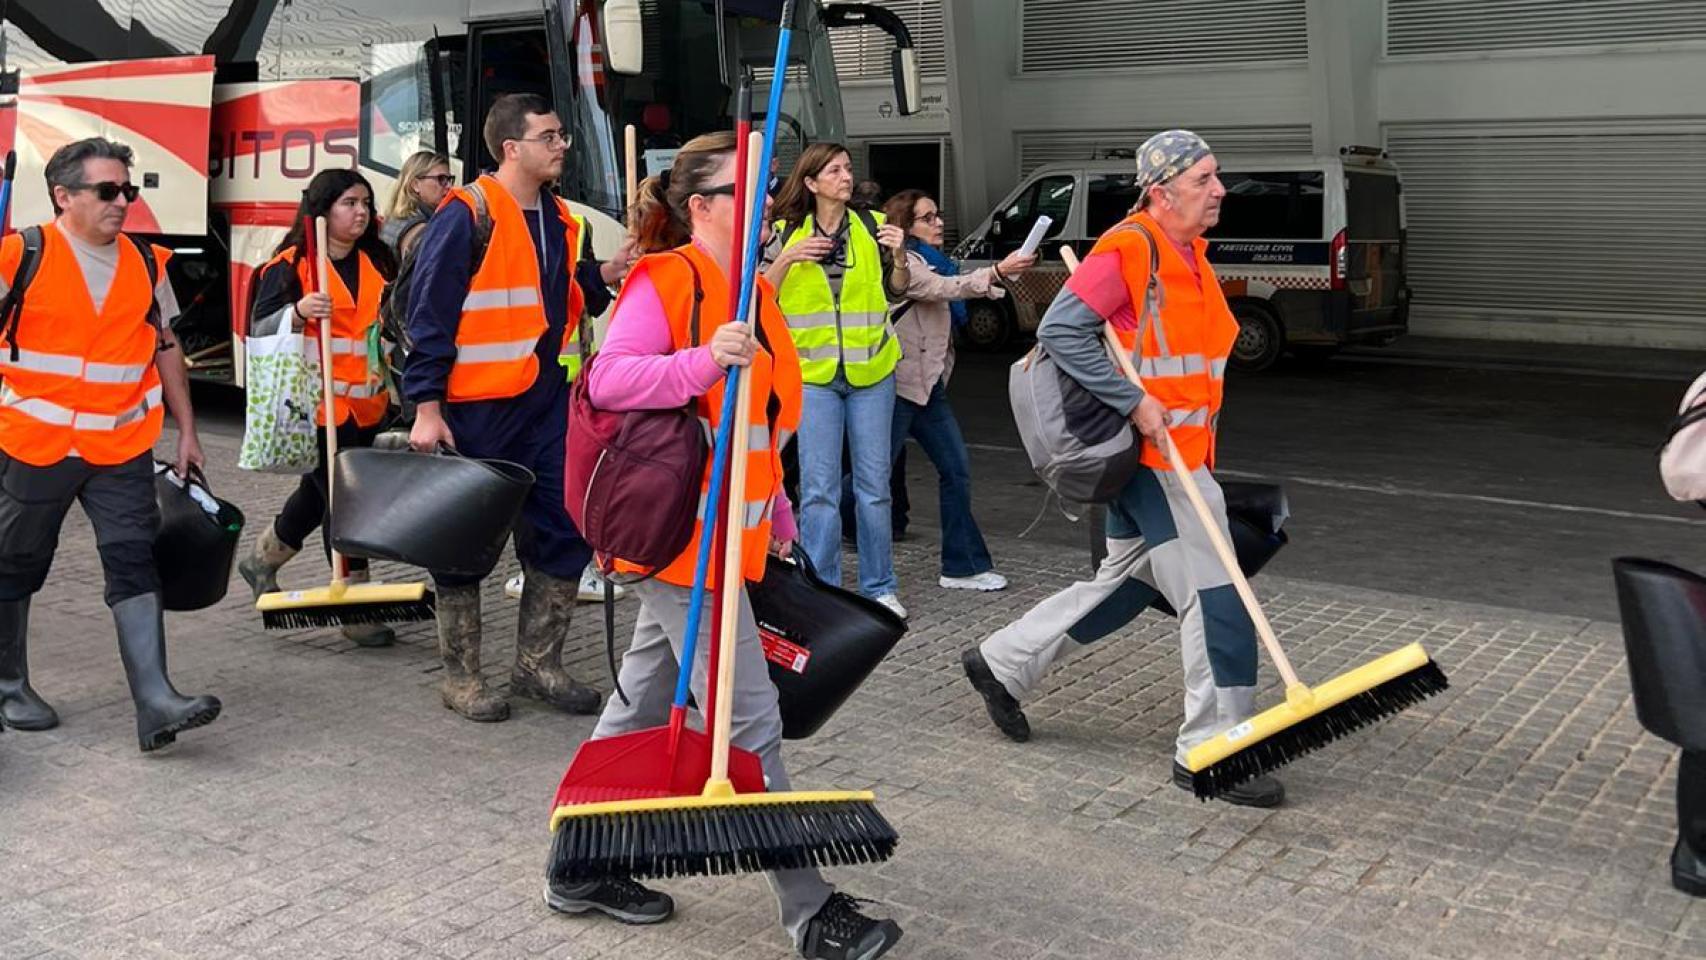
point(639, 369)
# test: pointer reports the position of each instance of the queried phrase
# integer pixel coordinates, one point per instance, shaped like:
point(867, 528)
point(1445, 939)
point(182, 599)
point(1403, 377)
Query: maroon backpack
point(632, 480)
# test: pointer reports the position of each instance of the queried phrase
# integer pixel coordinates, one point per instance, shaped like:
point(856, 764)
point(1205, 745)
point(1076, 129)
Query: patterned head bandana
point(1168, 154)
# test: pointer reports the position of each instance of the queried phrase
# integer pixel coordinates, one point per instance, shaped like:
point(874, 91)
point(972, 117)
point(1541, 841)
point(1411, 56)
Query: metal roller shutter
point(1089, 35)
point(1562, 223)
point(1423, 27)
point(862, 53)
point(1039, 147)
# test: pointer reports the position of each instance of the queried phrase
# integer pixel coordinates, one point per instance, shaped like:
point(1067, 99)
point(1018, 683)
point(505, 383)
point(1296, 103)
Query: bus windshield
point(680, 92)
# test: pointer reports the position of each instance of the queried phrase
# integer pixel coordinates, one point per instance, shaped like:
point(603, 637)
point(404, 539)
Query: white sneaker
point(512, 587)
point(986, 581)
point(893, 603)
point(592, 588)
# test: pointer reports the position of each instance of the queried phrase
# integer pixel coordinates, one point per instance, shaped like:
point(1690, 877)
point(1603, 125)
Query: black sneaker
point(623, 899)
point(840, 932)
point(1261, 791)
point(1003, 709)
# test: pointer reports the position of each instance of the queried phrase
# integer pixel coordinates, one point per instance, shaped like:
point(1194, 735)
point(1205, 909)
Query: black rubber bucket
point(821, 641)
point(443, 512)
point(194, 549)
point(1663, 608)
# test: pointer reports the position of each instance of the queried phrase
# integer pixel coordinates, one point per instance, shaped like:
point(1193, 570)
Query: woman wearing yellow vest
point(685, 223)
point(835, 271)
point(361, 266)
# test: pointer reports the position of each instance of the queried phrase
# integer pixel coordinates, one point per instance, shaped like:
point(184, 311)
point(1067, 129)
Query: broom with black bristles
point(339, 603)
point(1310, 717)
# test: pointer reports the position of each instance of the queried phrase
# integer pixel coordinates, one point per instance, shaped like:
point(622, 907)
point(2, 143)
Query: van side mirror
point(906, 80)
point(624, 37)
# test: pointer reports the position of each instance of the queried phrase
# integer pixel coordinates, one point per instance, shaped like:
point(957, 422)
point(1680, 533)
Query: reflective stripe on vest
point(758, 434)
point(52, 413)
point(358, 389)
point(854, 333)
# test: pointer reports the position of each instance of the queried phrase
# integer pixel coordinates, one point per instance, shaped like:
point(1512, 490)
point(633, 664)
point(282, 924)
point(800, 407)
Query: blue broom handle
point(731, 381)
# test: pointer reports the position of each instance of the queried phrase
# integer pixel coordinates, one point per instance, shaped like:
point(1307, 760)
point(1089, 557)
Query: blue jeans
point(964, 553)
point(864, 414)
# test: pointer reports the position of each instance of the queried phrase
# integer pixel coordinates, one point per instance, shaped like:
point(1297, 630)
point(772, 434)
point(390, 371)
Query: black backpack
point(394, 302)
point(12, 305)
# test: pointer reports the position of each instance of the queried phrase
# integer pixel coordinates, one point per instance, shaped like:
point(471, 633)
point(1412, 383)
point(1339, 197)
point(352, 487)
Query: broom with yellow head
point(1310, 717)
point(339, 603)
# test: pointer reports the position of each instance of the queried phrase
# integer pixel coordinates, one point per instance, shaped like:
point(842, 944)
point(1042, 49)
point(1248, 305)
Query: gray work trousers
point(1156, 544)
point(648, 675)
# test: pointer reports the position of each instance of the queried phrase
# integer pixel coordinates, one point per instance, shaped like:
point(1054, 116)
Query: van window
point(1271, 206)
point(1371, 202)
point(1051, 196)
point(1108, 199)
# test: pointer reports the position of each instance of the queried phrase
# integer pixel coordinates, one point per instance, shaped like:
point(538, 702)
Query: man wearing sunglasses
point(495, 344)
point(89, 366)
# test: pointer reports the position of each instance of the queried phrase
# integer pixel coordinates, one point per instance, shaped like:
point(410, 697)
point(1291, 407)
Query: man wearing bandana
point(1180, 331)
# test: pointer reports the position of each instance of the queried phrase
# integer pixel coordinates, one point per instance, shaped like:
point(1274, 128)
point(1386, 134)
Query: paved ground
point(337, 810)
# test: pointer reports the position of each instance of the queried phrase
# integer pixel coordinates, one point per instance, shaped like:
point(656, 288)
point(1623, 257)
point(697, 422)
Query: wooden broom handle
point(734, 522)
point(631, 163)
point(322, 270)
point(1222, 549)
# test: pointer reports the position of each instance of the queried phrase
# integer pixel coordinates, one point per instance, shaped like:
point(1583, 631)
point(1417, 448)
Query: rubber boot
point(161, 711)
point(367, 634)
point(260, 568)
point(21, 708)
point(1688, 858)
point(547, 603)
point(463, 688)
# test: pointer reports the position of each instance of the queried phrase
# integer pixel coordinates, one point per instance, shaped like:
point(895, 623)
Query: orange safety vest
point(84, 383)
point(503, 315)
point(357, 389)
point(1183, 358)
point(775, 384)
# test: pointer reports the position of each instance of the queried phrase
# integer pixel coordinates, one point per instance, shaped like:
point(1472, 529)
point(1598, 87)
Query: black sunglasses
point(107, 191)
point(725, 190)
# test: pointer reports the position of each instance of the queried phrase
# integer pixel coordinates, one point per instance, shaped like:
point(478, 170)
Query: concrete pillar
point(983, 56)
point(1345, 38)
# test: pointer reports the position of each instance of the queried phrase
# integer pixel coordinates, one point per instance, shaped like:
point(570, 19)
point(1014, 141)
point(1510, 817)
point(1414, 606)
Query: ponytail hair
point(658, 218)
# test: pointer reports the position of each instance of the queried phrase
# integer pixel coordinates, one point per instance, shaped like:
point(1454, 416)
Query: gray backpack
point(1085, 450)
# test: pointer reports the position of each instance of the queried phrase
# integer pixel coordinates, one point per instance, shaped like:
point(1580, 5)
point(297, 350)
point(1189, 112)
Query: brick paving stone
point(337, 810)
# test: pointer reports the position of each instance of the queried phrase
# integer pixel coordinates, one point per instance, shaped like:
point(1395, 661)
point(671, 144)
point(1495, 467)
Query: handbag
point(632, 480)
point(282, 390)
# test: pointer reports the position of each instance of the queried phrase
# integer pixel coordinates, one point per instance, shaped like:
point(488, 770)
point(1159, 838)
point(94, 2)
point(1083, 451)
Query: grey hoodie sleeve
point(1071, 332)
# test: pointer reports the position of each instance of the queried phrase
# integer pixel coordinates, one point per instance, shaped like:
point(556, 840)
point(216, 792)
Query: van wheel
point(988, 326)
point(1261, 339)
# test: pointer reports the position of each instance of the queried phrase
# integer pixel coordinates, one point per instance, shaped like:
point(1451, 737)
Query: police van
point(1309, 250)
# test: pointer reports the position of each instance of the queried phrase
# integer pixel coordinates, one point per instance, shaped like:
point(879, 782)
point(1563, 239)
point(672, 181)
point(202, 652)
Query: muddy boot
point(367, 634)
point(546, 606)
point(464, 689)
point(260, 568)
point(21, 708)
point(161, 711)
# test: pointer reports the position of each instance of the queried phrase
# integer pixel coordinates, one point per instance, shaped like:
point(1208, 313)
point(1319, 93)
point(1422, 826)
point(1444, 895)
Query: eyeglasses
point(107, 191)
point(724, 190)
point(444, 179)
point(550, 138)
point(931, 217)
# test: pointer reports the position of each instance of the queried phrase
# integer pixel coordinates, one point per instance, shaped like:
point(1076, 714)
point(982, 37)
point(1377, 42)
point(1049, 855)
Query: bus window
point(398, 115)
point(1271, 206)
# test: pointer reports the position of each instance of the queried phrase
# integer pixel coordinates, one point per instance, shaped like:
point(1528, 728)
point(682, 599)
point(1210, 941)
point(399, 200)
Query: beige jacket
point(926, 329)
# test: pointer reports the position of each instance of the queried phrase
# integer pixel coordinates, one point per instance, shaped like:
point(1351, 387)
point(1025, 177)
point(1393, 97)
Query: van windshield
point(1271, 206)
point(1371, 201)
